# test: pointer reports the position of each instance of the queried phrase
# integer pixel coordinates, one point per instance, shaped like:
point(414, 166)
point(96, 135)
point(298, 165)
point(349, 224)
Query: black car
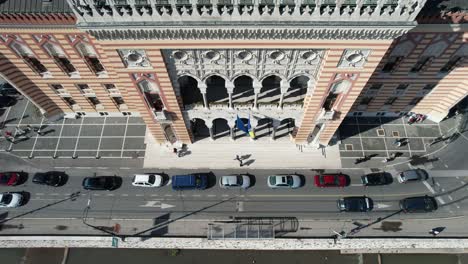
point(419, 204)
point(6, 101)
point(51, 178)
point(108, 183)
point(377, 178)
point(355, 204)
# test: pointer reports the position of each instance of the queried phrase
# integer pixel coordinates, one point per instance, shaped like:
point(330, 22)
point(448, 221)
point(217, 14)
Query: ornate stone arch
point(237, 75)
point(214, 74)
point(282, 77)
point(190, 75)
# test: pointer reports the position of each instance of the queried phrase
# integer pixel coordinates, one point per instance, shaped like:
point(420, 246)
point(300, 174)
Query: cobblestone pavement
point(82, 138)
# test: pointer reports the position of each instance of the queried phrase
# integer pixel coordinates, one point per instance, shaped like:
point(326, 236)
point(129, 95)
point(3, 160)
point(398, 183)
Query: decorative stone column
point(202, 87)
point(275, 123)
point(310, 86)
point(257, 87)
point(230, 90)
point(210, 129)
point(253, 123)
point(284, 86)
point(232, 131)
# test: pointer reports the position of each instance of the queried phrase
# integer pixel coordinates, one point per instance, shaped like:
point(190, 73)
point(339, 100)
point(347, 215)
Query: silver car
point(235, 181)
point(11, 199)
point(284, 181)
point(412, 175)
point(147, 180)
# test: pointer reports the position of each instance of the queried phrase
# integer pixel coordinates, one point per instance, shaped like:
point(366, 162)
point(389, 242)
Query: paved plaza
point(375, 136)
point(83, 138)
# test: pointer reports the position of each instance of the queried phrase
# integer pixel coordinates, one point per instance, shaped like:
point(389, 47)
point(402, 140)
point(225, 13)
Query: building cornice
point(251, 33)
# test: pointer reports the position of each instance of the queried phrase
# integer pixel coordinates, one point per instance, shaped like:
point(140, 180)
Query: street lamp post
point(85, 216)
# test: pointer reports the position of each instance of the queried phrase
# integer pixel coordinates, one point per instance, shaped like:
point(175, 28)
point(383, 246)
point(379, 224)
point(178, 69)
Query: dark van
point(189, 182)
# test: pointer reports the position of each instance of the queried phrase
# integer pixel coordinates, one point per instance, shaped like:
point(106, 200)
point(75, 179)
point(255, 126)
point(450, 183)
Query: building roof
point(34, 6)
point(444, 11)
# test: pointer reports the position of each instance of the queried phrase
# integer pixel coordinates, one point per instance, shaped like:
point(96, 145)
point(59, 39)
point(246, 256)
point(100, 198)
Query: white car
point(10, 199)
point(235, 181)
point(148, 180)
point(284, 181)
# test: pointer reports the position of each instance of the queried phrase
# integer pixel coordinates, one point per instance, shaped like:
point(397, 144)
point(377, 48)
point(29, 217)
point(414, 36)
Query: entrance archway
point(264, 128)
point(285, 127)
point(189, 90)
point(216, 91)
point(270, 91)
point(199, 129)
point(297, 91)
point(220, 128)
point(243, 90)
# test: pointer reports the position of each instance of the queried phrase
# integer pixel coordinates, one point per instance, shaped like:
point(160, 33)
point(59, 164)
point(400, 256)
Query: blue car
point(197, 181)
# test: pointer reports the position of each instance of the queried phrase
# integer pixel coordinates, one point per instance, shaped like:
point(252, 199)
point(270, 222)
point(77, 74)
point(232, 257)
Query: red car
point(331, 180)
point(9, 178)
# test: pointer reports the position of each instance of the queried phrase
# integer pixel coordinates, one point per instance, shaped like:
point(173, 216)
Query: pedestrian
point(237, 158)
point(435, 231)
point(174, 150)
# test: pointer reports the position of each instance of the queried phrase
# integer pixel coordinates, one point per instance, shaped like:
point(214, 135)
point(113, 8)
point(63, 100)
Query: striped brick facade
point(449, 90)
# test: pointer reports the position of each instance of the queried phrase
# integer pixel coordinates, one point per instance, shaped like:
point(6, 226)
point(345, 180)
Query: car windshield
point(151, 179)
point(239, 180)
point(289, 180)
point(3, 178)
point(6, 198)
point(272, 180)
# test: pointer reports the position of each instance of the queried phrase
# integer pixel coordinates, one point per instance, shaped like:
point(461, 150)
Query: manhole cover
point(395, 134)
point(380, 132)
point(349, 147)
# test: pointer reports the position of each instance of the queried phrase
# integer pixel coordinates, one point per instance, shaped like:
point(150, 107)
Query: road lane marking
point(450, 197)
point(96, 194)
point(331, 195)
point(110, 194)
point(39, 194)
point(157, 204)
point(462, 182)
point(429, 186)
point(380, 206)
point(211, 195)
point(440, 200)
point(139, 195)
point(438, 184)
point(124, 194)
point(356, 184)
point(196, 195)
point(54, 194)
point(168, 195)
point(154, 195)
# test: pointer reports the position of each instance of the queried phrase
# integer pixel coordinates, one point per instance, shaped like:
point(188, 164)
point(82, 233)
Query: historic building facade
point(189, 68)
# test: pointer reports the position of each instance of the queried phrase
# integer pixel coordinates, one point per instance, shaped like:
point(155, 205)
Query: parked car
point(102, 183)
point(377, 178)
point(284, 181)
point(419, 204)
point(235, 181)
point(412, 175)
point(355, 204)
point(190, 181)
point(7, 101)
point(51, 178)
point(148, 180)
point(11, 199)
point(9, 178)
point(331, 180)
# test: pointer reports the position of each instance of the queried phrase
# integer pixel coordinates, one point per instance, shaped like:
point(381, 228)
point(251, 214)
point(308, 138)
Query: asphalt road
point(309, 201)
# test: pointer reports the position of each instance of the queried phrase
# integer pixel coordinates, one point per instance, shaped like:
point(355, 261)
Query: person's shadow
point(248, 162)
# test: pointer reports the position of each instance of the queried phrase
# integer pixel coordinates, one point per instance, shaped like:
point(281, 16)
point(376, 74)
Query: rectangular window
point(65, 65)
point(424, 61)
point(154, 101)
point(376, 86)
point(452, 64)
point(95, 64)
point(118, 100)
point(392, 64)
point(69, 101)
point(35, 64)
point(112, 89)
point(401, 88)
point(94, 101)
point(366, 100)
point(429, 87)
point(391, 100)
point(330, 101)
point(415, 101)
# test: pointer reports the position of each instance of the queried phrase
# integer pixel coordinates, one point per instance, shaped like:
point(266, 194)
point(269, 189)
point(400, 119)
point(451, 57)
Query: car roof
point(229, 179)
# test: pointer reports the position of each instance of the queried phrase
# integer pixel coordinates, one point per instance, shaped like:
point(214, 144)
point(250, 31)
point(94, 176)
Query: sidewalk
point(221, 153)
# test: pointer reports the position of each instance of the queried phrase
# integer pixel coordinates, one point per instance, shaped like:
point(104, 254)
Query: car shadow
point(23, 177)
point(26, 197)
point(252, 178)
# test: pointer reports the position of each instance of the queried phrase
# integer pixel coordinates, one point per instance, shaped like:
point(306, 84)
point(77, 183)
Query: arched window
point(28, 56)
